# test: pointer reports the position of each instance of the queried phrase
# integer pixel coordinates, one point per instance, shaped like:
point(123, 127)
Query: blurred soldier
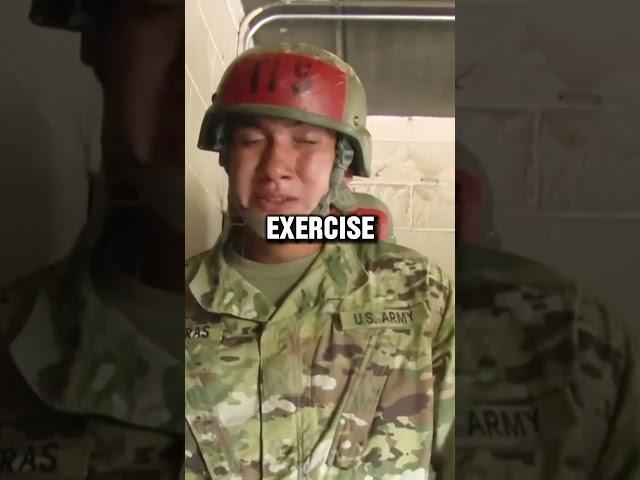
point(317, 361)
point(547, 382)
point(367, 204)
point(90, 344)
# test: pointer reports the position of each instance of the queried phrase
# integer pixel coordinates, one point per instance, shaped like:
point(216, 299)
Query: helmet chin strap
point(338, 193)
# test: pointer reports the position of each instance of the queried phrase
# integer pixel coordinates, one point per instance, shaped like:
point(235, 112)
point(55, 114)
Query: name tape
point(55, 458)
point(316, 228)
point(206, 332)
point(498, 426)
point(384, 318)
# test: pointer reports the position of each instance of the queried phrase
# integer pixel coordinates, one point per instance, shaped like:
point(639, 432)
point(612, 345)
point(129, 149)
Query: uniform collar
point(334, 276)
point(82, 356)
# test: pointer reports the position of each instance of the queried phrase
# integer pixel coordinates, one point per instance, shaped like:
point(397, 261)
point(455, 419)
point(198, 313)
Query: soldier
point(308, 360)
point(548, 383)
point(89, 345)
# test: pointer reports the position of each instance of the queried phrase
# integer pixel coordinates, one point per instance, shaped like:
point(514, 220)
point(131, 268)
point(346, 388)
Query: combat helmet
point(474, 201)
point(298, 82)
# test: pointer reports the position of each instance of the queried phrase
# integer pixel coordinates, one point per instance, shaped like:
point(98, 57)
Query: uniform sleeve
point(620, 459)
point(443, 452)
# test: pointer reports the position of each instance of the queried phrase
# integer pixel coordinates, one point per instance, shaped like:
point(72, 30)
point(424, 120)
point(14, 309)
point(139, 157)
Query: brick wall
point(211, 41)
point(562, 164)
point(413, 173)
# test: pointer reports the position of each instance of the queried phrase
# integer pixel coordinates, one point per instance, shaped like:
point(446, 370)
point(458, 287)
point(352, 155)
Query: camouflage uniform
point(87, 394)
point(351, 377)
point(547, 382)
point(91, 397)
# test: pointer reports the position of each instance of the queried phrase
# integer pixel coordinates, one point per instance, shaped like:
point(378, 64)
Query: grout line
point(425, 229)
point(408, 140)
point(187, 114)
point(197, 177)
point(195, 86)
point(410, 213)
point(578, 216)
point(236, 22)
point(211, 38)
point(534, 108)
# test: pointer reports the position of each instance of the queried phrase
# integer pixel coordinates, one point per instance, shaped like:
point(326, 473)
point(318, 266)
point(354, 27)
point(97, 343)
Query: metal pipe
point(435, 11)
point(339, 42)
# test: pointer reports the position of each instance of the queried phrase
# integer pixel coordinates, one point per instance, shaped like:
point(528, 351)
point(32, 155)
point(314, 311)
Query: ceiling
point(407, 68)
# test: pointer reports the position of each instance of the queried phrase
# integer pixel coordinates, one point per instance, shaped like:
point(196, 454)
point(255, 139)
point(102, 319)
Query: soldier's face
point(280, 166)
point(144, 84)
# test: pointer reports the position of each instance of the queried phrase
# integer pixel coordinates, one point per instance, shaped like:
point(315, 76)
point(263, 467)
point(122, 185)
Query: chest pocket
point(392, 382)
point(205, 434)
point(519, 411)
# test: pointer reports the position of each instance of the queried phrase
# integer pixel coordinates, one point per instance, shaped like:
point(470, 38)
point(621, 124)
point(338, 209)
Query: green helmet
point(298, 82)
point(82, 16)
point(63, 14)
point(294, 81)
point(474, 201)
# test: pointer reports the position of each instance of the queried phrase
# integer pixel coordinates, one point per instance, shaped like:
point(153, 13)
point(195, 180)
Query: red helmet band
point(288, 80)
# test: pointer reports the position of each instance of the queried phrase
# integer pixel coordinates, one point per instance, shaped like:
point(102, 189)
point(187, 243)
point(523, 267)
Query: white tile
point(432, 158)
point(237, 11)
point(221, 26)
point(583, 168)
point(203, 217)
point(395, 197)
point(199, 50)
point(500, 61)
point(188, 91)
point(502, 142)
point(217, 72)
point(210, 174)
point(388, 128)
point(392, 161)
point(433, 206)
point(195, 116)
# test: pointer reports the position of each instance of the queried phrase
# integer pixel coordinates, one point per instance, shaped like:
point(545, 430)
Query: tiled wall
point(413, 173)
point(211, 41)
point(563, 166)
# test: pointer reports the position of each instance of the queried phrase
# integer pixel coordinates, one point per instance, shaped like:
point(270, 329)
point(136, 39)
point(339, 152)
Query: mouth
point(274, 203)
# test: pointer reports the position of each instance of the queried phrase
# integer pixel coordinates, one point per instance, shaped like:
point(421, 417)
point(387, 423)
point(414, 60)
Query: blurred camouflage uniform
point(351, 375)
point(88, 395)
point(91, 396)
point(547, 382)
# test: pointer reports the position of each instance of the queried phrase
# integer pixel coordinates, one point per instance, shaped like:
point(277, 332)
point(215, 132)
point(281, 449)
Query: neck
point(259, 250)
point(154, 254)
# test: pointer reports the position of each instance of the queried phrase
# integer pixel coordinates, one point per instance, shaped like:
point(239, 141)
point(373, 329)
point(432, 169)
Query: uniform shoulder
point(407, 267)
point(486, 274)
point(382, 255)
point(477, 260)
point(192, 264)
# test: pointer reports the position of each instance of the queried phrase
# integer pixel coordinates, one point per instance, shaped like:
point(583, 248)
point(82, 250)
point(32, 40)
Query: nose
point(276, 161)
